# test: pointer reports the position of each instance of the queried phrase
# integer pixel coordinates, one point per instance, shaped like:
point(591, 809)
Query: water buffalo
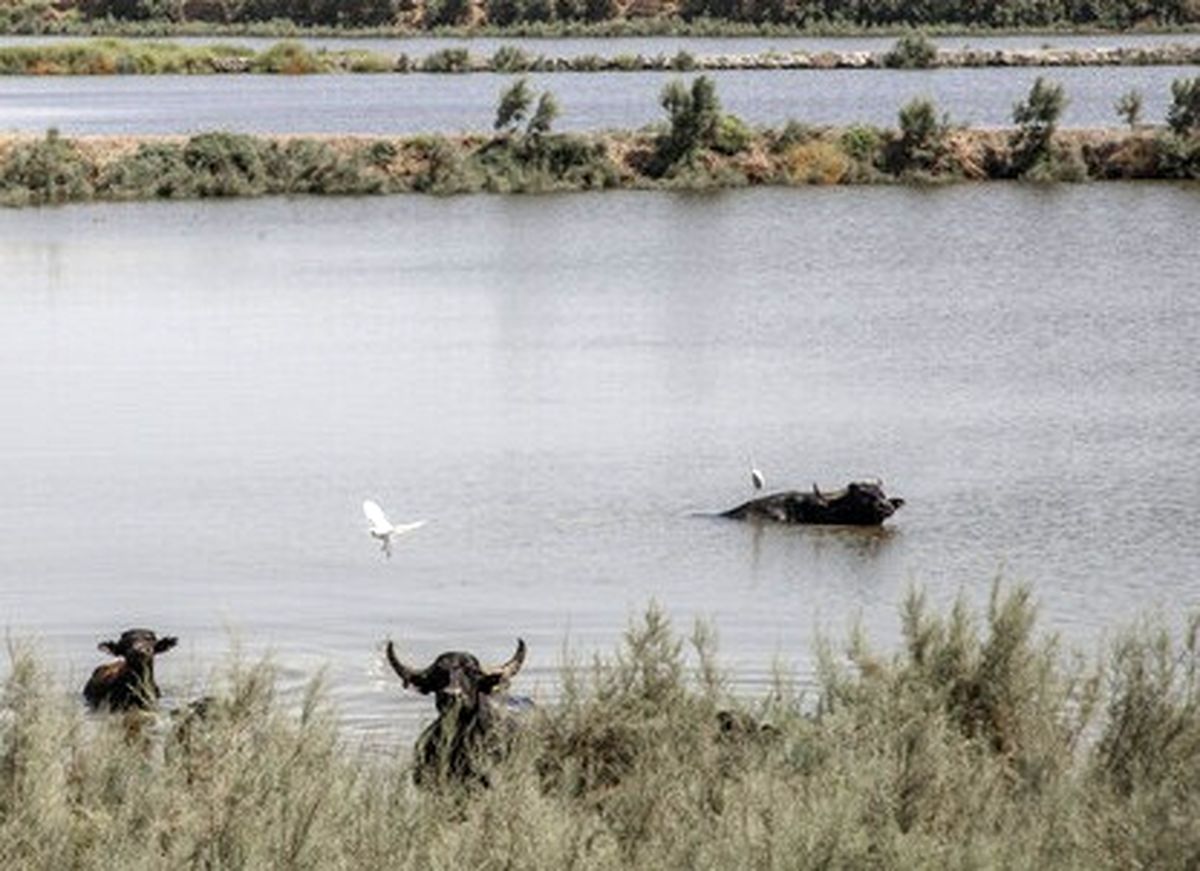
point(859, 503)
point(470, 726)
point(128, 682)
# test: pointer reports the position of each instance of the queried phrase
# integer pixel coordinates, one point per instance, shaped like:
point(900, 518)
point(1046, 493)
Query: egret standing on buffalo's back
point(382, 529)
point(756, 476)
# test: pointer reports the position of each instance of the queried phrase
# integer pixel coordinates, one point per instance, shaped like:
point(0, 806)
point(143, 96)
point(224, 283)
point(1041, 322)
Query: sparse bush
point(1129, 107)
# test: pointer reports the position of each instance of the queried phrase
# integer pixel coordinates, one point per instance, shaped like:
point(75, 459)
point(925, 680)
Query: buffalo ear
point(165, 644)
point(108, 647)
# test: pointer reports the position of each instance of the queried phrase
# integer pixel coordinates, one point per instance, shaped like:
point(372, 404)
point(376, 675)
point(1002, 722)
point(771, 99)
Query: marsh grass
point(720, 152)
point(977, 744)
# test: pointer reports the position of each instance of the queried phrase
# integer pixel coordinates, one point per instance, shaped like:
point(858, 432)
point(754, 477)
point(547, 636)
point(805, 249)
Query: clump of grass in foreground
point(977, 744)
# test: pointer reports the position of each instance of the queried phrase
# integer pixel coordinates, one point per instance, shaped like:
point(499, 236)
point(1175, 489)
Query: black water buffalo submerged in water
point(859, 503)
point(470, 726)
point(128, 682)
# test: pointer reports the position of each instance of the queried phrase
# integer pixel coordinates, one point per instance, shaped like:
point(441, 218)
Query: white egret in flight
point(383, 529)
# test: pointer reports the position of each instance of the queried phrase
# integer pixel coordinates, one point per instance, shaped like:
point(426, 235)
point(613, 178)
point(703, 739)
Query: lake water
point(197, 397)
point(391, 104)
point(669, 45)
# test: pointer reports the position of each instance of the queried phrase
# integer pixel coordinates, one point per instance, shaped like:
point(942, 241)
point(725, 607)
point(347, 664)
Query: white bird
point(383, 529)
point(756, 476)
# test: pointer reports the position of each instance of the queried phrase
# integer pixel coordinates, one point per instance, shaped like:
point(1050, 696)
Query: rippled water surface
point(197, 397)
point(418, 102)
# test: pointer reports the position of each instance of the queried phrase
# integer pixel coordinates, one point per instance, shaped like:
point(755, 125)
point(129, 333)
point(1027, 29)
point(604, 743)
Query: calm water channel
point(197, 397)
point(389, 104)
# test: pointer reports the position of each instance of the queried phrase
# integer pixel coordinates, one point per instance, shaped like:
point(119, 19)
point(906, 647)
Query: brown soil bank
point(56, 169)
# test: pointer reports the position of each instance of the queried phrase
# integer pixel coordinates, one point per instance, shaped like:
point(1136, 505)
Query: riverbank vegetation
point(979, 743)
point(698, 146)
point(128, 57)
point(580, 17)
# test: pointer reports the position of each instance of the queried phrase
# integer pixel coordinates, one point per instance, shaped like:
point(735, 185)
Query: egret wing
point(402, 528)
point(378, 520)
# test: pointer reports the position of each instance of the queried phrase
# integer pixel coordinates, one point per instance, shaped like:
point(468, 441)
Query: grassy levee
point(115, 56)
point(978, 744)
point(133, 57)
point(36, 170)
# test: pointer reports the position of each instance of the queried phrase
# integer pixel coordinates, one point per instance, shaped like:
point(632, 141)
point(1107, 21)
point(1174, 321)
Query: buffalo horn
point(408, 675)
point(509, 670)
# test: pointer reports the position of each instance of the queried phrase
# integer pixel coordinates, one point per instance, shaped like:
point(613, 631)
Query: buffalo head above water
point(859, 503)
point(128, 682)
point(470, 726)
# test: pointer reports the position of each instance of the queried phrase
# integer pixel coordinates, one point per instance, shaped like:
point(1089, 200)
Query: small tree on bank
point(513, 106)
point(543, 116)
point(1129, 107)
point(1036, 118)
point(922, 136)
point(1183, 117)
point(696, 122)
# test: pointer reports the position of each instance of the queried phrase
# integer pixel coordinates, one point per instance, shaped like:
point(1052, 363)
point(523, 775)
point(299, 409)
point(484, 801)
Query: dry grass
point(978, 744)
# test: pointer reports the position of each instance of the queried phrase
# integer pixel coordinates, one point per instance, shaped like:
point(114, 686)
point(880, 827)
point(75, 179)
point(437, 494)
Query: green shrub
point(921, 145)
point(693, 114)
point(289, 58)
point(1183, 116)
point(862, 143)
point(304, 166)
point(1037, 118)
point(446, 169)
point(543, 116)
point(513, 105)
point(683, 61)
point(381, 152)
point(154, 170)
point(510, 59)
point(1178, 156)
point(911, 51)
point(731, 135)
point(447, 60)
point(226, 165)
point(47, 170)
